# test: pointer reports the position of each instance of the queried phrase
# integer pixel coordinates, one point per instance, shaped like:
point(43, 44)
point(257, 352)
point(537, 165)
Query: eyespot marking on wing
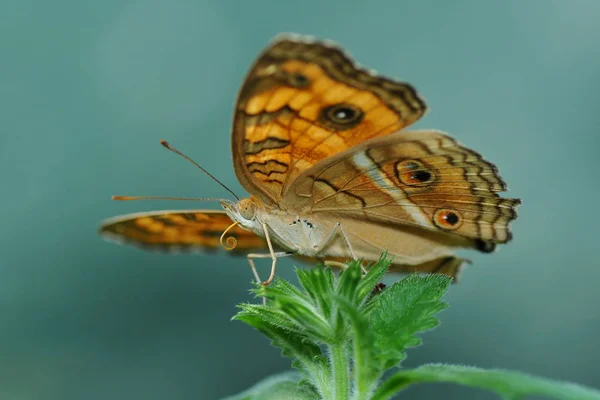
point(447, 219)
point(414, 173)
point(341, 116)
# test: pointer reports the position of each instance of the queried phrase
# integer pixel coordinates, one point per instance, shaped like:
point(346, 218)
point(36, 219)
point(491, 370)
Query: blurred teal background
point(87, 90)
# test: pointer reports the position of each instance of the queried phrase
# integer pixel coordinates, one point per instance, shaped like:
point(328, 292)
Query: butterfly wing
point(182, 231)
point(449, 265)
point(417, 194)
point(179, 231)
point(304, 101)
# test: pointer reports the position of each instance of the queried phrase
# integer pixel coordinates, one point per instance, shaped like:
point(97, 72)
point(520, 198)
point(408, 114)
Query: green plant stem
point(364, 383)
point(340, 366)
point(361, 391)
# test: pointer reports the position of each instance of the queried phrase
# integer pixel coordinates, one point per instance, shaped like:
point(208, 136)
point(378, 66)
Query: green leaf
point(277, 387)
point(307, 355)
point(304, 309)
point(294, 345)
point(349, 280)
point(402, 311)
point(270, 316)
point(318, 284)
point(373, 277)
point(510, 385)
point(281, 286)
point(306, 316)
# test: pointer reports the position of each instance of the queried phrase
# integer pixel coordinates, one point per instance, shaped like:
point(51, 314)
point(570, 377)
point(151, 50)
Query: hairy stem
point(340, 367)
point(363, 381)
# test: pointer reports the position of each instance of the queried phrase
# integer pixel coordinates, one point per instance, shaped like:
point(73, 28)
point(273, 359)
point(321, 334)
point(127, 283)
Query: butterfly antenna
point(127, 198)
point(174, 150)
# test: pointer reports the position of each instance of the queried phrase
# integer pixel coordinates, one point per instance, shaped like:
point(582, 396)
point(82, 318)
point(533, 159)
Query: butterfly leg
point(335, 264)
point(253, 267)
point(271, 254)
point(251, 258)
point(338, 227)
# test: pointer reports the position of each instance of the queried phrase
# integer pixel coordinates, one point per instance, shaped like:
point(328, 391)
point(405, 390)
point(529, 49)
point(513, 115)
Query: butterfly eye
point(447, 219)
point(247, 209)
point(298, 80)
point(413, 173)
point(341, 116)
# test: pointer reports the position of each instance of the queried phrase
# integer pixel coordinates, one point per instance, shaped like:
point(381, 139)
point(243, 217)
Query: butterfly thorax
point(290, 231)
point(295, 232)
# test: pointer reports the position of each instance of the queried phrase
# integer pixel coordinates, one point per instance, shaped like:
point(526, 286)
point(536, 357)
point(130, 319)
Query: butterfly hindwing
point(422, 178)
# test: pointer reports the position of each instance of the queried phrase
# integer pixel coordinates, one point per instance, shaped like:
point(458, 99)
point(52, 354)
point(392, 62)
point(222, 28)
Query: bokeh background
point(87, 90)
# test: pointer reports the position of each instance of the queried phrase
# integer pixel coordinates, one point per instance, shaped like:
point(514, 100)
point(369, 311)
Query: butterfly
point(318, 143)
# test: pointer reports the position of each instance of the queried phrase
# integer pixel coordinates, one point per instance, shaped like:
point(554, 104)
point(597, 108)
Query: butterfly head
point(244, 211)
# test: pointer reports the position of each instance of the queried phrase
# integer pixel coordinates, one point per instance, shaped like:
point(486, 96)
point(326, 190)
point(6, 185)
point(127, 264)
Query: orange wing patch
point(303, 102)
point(179, 231)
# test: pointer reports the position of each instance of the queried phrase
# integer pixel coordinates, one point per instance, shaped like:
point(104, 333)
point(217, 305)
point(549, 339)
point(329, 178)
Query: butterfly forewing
point(305, 101)
point(179, 231)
